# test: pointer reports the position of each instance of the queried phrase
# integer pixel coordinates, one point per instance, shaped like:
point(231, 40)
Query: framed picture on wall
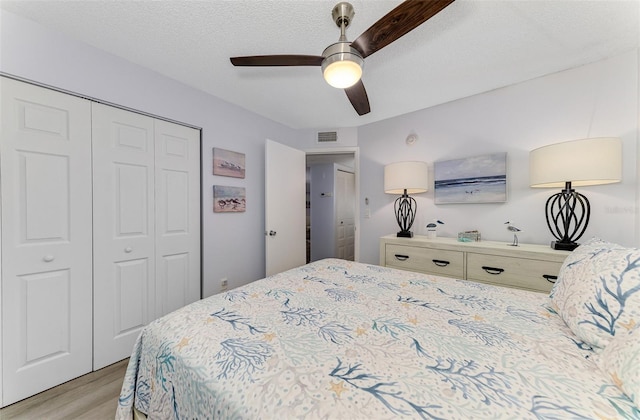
point(228, 163)
point(229, 199)
point(478, 179)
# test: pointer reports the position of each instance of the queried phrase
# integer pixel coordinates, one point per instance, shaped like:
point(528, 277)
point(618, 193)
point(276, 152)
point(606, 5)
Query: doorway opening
point(332, 188)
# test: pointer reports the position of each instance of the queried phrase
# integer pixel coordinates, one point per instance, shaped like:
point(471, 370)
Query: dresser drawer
point(425, 260)
point(523, 273)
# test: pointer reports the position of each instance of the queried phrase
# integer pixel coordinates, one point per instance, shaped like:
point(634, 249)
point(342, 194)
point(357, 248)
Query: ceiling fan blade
point(358, 97)
point(403, 19)
point(277, 60)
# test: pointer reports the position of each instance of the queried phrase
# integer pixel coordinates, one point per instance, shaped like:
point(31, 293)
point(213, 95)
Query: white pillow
point(598, 291)
point(620, 361)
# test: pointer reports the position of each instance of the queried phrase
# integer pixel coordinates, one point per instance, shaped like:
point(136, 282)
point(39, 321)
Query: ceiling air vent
point(327, 136)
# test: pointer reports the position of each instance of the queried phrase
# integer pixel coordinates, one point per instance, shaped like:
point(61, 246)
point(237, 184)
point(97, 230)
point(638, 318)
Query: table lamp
point(406, 178)
point(576, 163)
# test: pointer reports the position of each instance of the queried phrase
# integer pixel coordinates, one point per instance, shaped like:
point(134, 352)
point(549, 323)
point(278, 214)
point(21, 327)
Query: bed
point(345, 340)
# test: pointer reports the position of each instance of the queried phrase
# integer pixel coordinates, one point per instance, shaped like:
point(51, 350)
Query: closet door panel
point(173, 285)
point(42, 176)
point(45, 173)
point(124, 230)
point(131, 201)
point(45, 299)
point(177, 216)
point(130, 289)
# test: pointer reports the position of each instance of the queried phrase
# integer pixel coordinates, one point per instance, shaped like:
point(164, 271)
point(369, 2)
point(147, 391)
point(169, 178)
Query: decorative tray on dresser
point(527, 266)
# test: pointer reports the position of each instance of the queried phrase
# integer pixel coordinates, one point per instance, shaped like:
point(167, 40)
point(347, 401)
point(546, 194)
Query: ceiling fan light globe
point(342, 74)
point(342, 65)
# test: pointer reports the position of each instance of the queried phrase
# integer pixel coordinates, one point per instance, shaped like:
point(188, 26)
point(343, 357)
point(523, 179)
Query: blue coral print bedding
point(343, 340)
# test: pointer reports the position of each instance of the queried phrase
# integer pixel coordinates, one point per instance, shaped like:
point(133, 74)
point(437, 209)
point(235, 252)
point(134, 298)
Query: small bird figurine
point(431, 228)
point(435, 223)
point(515, 231)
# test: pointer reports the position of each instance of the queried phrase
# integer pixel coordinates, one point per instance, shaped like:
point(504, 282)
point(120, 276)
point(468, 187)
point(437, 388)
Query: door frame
point(355, 151)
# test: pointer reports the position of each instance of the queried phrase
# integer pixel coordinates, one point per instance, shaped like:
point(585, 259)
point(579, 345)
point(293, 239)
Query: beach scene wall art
point(228, 163)
point(229, 199)
point(478, 179)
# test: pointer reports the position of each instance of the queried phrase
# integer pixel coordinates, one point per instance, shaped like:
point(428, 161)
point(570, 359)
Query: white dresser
point(527, 266)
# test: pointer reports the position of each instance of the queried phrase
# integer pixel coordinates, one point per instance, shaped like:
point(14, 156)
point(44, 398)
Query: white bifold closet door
point(45, 165)
point(177, 190)
point(124, 233)
point(100, 233)
point(146, 225)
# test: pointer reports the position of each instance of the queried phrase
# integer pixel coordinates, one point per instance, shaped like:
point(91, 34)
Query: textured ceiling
point(470, 47)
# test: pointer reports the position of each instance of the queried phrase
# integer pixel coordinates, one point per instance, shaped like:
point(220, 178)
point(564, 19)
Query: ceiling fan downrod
point(342, 14)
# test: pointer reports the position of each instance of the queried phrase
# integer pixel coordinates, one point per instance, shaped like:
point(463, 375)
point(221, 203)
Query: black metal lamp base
point(564, 246)
point(405, 234)
point(567, 217)
point(405, 209)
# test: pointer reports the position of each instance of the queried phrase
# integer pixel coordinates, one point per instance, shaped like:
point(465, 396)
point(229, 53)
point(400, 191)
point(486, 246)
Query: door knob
point(128, 249)
point(48, 258)
point(272, 233)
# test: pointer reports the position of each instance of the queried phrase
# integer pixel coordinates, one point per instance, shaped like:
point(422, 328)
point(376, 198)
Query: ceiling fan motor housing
point(342, 54)
point(342, 13)
point(341, 51)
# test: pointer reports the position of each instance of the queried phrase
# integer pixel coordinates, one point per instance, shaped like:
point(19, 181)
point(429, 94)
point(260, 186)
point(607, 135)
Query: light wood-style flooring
point(93, 396)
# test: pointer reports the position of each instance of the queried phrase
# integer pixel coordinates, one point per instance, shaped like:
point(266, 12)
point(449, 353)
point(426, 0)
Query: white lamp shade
point(594, 161)
point(412, 176)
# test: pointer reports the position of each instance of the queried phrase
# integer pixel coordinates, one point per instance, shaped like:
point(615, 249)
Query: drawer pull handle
point(441, 263)
point(492, 270)
point(401, 257)
point(550, 278)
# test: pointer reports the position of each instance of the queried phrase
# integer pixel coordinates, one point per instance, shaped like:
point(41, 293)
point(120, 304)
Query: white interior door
point(177, 174)
point(345, 214)
point(46, 238)
point(285, 220)
point(124, 230)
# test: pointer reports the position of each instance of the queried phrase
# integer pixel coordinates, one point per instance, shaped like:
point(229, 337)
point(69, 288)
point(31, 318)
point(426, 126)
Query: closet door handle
point(401, 257)
point(48, 258)
point(128, 249)
point(492, 270)
point(441, 263)
point(550, 278)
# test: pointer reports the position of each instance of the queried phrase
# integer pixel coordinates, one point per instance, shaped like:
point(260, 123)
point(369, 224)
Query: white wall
point(31, 51)
point(600, 99)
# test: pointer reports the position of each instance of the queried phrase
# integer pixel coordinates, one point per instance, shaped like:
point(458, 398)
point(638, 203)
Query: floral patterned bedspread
point(344, 340)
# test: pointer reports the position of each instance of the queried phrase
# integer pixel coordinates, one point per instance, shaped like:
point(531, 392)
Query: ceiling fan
point(342, 62)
